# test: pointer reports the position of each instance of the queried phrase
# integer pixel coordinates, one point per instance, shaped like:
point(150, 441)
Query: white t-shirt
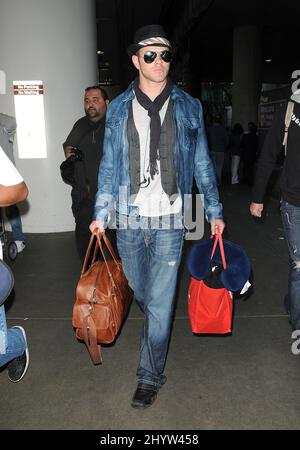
point(152, 200)
point(9, 176)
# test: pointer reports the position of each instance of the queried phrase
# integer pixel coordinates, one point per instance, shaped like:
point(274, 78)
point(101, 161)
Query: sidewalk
point(249, 380)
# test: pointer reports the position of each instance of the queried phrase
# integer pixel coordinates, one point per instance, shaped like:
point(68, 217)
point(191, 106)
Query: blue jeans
point(291, 224)
point(12, 343)
point(150, 259)
point(13, 215)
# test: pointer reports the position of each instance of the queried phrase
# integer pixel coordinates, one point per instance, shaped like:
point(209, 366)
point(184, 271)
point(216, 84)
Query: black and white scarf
point(153, 108)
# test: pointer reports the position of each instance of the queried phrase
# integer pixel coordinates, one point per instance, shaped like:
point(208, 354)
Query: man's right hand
point(97, 224)
point(68, 151)
point(256, 209)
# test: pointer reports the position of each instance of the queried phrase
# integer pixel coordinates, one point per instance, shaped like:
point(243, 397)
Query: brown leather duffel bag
point(102, 298)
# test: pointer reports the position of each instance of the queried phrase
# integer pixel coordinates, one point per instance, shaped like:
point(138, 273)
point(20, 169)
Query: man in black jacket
point(290, 191)
point(86, 135)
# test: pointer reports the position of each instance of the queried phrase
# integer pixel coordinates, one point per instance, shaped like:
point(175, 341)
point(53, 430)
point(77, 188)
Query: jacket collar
point(129, 93)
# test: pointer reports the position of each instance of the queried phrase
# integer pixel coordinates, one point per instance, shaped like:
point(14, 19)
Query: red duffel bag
point(210, 309)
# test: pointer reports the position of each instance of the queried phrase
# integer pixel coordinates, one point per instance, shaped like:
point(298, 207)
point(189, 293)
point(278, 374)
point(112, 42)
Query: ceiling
point(202, 30)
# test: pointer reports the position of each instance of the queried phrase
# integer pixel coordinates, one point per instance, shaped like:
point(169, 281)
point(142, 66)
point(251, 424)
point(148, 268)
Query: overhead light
point(268, 60)
point(100, 52)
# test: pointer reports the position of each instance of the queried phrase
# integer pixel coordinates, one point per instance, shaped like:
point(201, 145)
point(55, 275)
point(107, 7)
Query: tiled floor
point(249, 380)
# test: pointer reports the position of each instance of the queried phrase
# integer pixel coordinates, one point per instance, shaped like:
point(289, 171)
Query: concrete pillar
point(53, 41)
point(247, 64)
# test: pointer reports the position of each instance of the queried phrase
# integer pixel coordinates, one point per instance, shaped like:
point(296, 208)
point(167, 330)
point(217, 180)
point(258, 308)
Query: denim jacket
point(191, 157)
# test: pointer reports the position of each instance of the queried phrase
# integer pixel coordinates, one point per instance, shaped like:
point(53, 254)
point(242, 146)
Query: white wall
point(53, 41)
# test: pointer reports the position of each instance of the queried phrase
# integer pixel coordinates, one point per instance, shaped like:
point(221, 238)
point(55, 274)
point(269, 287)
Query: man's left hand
point(217, 223)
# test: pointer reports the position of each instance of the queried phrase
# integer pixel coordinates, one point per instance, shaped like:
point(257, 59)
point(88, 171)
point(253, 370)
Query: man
point(13, 342)
point(154, 143)
point(8, 127)
point(290, 193)
point(249, 149)
point(217, 137)
point(87, 136)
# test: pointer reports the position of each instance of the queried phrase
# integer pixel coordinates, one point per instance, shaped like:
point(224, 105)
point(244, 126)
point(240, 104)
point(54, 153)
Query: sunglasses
point(150, 56)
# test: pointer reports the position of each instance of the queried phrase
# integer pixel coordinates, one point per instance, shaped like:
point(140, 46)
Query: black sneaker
point(144, 396)
point(17, 367)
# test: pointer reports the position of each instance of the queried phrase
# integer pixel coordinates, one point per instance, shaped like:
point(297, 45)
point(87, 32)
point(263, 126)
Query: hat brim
point(238, 265)
point(134, 48)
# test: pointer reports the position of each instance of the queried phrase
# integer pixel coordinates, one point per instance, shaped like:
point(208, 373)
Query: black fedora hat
point(148, 35)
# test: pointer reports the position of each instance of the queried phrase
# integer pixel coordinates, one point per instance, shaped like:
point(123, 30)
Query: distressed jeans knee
point(150, 260)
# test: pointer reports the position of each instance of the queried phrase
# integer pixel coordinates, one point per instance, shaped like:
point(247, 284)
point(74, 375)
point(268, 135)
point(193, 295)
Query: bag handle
point(108, 245)
point(219, 240)
point(99, 236)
